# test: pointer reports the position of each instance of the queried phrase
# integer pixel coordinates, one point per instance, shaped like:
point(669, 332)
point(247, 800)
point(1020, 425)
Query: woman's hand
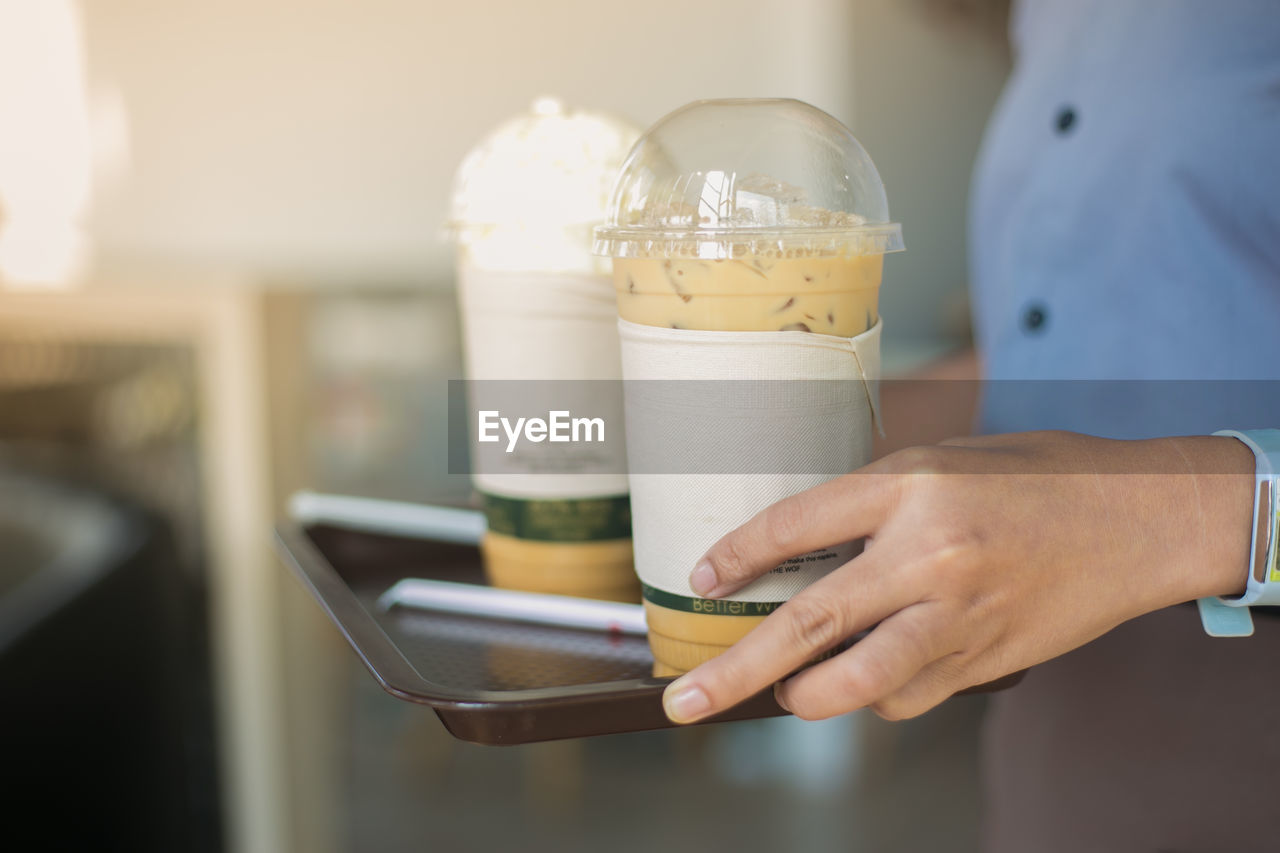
point(984, 556)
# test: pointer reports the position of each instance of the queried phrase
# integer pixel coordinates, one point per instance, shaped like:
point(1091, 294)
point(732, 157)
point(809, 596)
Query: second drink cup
point(747, 239)
point(538, 328)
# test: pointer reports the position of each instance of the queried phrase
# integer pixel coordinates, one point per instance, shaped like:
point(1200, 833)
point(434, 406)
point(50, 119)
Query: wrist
point(1220, 530)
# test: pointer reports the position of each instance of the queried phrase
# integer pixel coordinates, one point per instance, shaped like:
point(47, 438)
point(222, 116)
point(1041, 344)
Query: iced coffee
point(536, 307)
point(731, 219)
point(831, 295)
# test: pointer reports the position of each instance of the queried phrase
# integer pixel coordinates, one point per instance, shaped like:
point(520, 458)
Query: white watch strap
point(1229, 617)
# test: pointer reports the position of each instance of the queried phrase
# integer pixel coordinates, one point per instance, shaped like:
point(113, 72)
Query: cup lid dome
point(722, 178)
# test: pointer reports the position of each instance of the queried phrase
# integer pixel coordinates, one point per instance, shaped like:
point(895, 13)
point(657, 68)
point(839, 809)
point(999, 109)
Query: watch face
point(1264, 538)
point(1266, 549)
point(1272, 551)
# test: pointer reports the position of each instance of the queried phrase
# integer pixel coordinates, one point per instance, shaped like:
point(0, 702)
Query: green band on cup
point(717, 607)
point(560, 520)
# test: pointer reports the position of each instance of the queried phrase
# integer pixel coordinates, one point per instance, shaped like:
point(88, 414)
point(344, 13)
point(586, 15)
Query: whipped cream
point(527, 195)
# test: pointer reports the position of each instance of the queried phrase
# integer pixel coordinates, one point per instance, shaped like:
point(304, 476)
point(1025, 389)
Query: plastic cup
point(536, 306)
point(762, 215)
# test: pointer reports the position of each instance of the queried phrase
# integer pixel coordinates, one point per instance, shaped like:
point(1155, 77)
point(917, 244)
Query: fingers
point(839, 511)
point(839, 605)
point(944, 678)
point(930, 687)
point(878, 666)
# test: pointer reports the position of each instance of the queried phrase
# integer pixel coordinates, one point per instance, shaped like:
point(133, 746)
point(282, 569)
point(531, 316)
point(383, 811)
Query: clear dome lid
point(724, 178)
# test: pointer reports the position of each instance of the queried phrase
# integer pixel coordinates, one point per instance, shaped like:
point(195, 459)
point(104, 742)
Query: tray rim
point(397, 676)
point(383, 658)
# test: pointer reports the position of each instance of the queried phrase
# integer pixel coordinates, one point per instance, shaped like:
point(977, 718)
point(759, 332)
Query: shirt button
point(1034, 318)
point(1065, 120)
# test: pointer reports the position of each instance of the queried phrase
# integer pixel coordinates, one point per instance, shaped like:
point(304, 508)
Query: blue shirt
point(1125, 221)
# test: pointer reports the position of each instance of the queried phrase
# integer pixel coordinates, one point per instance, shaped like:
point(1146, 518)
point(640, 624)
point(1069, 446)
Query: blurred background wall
point(317, 138)
point(268, 306)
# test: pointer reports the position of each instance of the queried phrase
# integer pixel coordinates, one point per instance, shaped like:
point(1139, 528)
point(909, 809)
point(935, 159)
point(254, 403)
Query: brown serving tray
point(490, 681)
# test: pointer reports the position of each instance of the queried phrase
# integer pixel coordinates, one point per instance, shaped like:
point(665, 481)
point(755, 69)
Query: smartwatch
point(1229, 617)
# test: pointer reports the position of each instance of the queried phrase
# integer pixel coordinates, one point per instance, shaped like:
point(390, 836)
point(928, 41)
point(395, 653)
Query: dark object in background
point(97, 746)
